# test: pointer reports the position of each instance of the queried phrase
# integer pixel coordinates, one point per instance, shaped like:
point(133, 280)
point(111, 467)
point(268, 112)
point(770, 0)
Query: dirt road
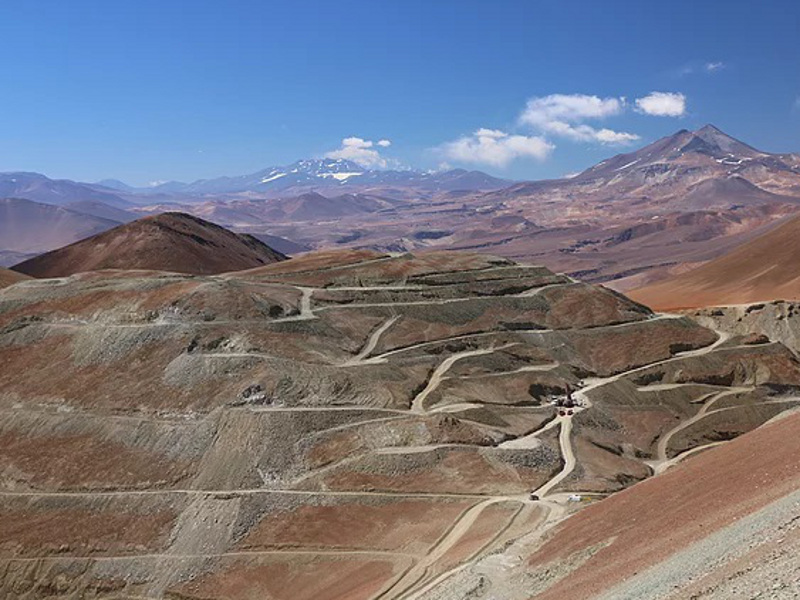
point(418, 404)
point(371, 343)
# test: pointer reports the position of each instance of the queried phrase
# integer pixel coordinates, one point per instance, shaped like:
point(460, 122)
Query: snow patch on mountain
point(339, 176)
point(273, 177)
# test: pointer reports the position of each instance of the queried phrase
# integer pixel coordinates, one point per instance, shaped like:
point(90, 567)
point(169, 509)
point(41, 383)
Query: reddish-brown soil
point(313, 262)
point(337, 579)
point(8, 277)
point(404, 525)
point(643, 425)
point(32, 370)
point(716, 487)
point(602, 470)
point(369, 268)
point(593, 307)
point(612, 351)
point(489, 524)
point(85, 532)
point(445, 471)
point(83, 304)
point(771, 364)
point(79, 462)
point(763, 269)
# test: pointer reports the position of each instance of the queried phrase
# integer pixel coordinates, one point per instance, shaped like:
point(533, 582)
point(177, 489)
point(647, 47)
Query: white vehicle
point(575, 498)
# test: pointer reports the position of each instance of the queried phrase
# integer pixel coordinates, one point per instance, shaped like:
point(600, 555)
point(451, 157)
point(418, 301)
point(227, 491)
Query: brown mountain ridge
point(763, 269)
point(8, 277)
point(174, 242)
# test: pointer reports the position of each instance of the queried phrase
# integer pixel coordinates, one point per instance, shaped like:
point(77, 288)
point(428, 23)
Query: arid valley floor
point(362, 425)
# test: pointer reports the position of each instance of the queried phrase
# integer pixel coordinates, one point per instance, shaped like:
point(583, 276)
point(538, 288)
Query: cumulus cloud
point(568, 116)
point(569, 108)
point(587, 133)
point(662, 104)
point(361, 151)
point(565, 115)
point(496, 148)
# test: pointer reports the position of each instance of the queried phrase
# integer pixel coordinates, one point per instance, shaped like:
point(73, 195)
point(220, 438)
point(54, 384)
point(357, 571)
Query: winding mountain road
point(421, 576)
point(371, 343)
point(418, 404)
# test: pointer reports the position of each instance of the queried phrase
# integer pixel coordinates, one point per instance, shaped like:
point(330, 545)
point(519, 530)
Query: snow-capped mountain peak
point(337, 169)
point(337, 175)
point(682, 150)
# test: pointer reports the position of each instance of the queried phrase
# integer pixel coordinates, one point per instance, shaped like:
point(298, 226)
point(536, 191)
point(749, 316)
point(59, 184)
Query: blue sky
point(167, 89)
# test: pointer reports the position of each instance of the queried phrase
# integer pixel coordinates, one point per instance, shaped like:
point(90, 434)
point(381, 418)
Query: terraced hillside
point(343, 425)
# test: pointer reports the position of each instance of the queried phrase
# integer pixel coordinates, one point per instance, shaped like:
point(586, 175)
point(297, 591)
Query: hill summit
point(167, 242)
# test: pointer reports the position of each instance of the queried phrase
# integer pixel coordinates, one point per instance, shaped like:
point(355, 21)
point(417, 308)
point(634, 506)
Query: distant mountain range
point(28, 228)
point(670, 205)
point(30, 223)
point(39, 188)
point(320, 175)
point(629, 220)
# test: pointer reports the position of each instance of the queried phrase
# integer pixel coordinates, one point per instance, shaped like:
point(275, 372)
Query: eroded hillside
point(342, 425)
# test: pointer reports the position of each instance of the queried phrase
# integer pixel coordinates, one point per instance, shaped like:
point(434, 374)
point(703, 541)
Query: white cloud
point(496, 148)
point(587, 133)
point(570, 108)
point(567, 116)
point(564, 115)
point(494, 134)
point(714, 66)
point(361, 151)
point(662, 104)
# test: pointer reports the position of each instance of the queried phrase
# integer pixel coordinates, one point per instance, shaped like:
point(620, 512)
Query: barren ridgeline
point(340, 425)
